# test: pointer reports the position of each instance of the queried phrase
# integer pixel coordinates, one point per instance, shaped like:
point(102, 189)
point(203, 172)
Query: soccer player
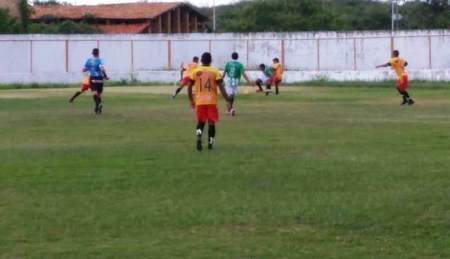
point(97, 74)
point(234, 70)
point(186, 74)
point(84, 87)
point(398, 65)
point(265, 78)
point(278, 74)
point(206, 80)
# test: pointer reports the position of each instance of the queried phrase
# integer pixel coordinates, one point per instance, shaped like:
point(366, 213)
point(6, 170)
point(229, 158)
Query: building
point(131, 18)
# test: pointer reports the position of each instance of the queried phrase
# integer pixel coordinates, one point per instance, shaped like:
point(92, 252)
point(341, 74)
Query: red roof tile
point(123, 28)
point(129, 11)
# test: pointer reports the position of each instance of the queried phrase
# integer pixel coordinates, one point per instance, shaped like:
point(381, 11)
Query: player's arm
point(190, 85)
point(406, 63)
point(103, 70)
point(223, 92)
point(384, 65)
point(86, 66)
point(247, 79)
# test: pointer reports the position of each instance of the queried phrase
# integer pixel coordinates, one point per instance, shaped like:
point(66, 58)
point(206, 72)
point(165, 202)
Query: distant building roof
point(130, 11)
point(123, 28)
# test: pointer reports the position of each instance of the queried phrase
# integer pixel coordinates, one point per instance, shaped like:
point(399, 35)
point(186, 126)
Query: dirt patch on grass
point(44, 93)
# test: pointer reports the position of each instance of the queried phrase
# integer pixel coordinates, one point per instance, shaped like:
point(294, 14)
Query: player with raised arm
point(278, 74)
point(233, 72)
point(398, 65)
point(84, 87)
point(265, 77)
point(97, 75)
point(186, 74)
point(206, 80)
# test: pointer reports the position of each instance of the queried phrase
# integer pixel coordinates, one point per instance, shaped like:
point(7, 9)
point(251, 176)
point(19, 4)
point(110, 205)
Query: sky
point(194, 2)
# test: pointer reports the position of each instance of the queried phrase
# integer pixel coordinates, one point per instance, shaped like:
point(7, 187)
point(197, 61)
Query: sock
point(406, 95)
point(211, 134)
point(403, 95)
point(97, 101)
point(178, 91)
point(75, 96)
point(200, 127)
point(268, 87)
point(276, 88)
point(231, 101)
point(259, 85)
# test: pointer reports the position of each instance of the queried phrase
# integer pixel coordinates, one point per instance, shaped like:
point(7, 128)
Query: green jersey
point(234, 70)
point(268, 71)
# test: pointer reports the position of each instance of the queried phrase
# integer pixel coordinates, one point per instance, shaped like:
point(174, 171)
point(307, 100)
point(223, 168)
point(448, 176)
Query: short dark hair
point(95, 52)
point(234, 56)
point(206, 58)
point(262, 66)
point(195, 59)
point(276, 60)
point(396, 53)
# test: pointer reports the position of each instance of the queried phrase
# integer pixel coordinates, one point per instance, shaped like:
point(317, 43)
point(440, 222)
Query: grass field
point(323, 172)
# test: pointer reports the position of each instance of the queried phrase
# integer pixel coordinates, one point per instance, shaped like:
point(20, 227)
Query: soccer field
point(343, 173)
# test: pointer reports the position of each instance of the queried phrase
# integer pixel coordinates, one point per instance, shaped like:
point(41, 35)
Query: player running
point(398, 65)
point(265, 77)
point(97, 74)
point(186, 74)
point(206, 80)
point(277, 68)
point(84, 87)
point(234, 70)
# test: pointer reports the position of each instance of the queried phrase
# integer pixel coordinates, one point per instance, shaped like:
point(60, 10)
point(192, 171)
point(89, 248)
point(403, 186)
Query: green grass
point(417, 84)
point(342, 173)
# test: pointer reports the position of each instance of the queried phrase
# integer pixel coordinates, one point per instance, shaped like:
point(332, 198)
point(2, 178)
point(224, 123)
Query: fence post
point(318, 54)
point(169, 55)
point(429, 52)
point(31, 56)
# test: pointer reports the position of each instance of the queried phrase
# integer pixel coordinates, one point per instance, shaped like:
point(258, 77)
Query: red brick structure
point(133, 18)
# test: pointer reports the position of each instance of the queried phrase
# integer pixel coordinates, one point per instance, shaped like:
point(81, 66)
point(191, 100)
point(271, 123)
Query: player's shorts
point(277, 81)
point(85, 87)
point(264, 79)
point(208, 112)
point(402, 82)
point(231, 90)
point(96, 84)
point(185, 80)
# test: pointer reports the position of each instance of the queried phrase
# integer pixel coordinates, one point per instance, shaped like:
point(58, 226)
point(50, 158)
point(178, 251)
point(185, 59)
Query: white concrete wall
point(306, 56)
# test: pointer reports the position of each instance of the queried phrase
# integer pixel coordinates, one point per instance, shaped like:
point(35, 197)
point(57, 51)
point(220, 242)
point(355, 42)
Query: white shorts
point(263, 78)
point(231, 90)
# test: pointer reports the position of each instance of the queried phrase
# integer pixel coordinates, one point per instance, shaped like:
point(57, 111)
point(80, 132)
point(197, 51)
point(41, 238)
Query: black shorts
point(96, 84)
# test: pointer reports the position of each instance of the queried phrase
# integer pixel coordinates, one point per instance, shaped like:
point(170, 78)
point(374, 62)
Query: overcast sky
point(194, 2)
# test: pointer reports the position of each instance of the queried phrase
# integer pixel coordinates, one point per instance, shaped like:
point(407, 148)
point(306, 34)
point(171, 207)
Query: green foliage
point(25, 13)
point(8, 24)
point(323, 15)
point(50, 2)
point(65, 27)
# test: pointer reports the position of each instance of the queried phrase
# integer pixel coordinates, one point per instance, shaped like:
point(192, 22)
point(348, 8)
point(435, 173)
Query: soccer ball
point(246, 92)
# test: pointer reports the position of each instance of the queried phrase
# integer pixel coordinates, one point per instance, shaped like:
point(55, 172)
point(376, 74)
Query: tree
point(50, 2)
point(8, 24)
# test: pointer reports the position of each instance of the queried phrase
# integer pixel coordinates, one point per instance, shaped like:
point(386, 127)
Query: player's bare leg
point(259, 84)
point(268, 88)
point(200, 128)
point(231, 112)
point(211, 134)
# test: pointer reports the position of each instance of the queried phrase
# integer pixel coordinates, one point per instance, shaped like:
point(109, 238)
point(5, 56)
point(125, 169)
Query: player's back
point(268, 71)
point(234, 69)
point(206, 78)
point(189, 68)
point(93, 66)
point(398, 65)
point(278, 68)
